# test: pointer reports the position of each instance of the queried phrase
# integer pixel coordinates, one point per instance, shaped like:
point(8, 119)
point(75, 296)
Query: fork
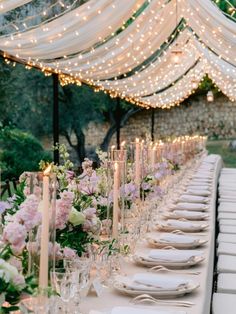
point(148, 298)
point(163, 268)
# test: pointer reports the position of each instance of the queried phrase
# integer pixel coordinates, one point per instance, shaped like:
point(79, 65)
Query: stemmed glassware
point(65, 283)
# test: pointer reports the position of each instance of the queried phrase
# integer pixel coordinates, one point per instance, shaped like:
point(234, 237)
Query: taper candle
point(43, 266)
point(115, 201)
point(137, 162)
point(153, 156)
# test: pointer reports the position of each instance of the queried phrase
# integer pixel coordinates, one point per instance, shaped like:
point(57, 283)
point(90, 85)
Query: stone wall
point(194, 116)
point(216, 119)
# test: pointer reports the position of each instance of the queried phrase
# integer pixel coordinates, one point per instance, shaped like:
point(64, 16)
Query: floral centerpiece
point(81, 210)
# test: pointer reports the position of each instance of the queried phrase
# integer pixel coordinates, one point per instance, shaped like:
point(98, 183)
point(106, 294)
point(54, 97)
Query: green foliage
point(222, 148)
point(227, 6)
point(20, 152)
point(73, 238)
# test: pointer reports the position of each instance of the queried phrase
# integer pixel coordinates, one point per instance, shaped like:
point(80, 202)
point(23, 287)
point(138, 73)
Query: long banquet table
point(200, 297)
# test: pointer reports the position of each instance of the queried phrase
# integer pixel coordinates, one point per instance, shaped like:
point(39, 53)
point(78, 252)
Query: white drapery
point(83, 44)
point(213, 28)
point(72, 32)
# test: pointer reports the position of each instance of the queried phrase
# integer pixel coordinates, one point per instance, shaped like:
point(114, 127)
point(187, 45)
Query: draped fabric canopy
point(127, 48)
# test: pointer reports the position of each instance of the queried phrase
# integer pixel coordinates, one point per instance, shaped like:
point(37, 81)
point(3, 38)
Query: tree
point(117, 116)
point(20, 152)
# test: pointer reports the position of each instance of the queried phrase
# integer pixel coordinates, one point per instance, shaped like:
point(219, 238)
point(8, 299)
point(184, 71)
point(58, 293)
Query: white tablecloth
point(201, 297)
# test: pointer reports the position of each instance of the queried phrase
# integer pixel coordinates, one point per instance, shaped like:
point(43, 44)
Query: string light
point(210, 96)
point(194, 83)
point(148, 78)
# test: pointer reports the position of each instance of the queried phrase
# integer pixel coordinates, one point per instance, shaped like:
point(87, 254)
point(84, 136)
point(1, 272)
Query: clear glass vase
point(41, 240)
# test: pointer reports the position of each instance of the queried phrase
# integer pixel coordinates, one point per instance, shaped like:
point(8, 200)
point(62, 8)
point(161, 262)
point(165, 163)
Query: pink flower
point(15, 234)
point(57, 251)
point(69, 253)
point(19, 281)
point(28, 213)
point(87, 225)
point(87, 166)
point(89, 183)
point(64, 206)
point(92, 225)
point(16, 263)
point(89, 212)
point(67, 196)
point(70, 175)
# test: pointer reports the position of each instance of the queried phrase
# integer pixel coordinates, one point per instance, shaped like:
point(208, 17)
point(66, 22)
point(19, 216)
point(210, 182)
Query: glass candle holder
point(116, 175)
point(41, 240)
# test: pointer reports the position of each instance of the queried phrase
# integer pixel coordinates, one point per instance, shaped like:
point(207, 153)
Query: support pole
point(152, 124)
point(55, 116)
point(118, 116)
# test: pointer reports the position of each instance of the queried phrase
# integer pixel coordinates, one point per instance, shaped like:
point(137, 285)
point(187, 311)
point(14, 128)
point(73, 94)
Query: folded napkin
point(178, 224)
point(190, 206)
point(177, 256)
point(202, 180)
point(189, 214)
point(178, 238)
point(203, 174)
point(198, 187)
point(193, 199)
point(136, 310)
point(158, 282)
point(202, 177)
point(200, 183)
point(198, 192)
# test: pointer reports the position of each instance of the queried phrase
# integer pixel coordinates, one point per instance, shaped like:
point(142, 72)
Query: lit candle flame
point(47, 170)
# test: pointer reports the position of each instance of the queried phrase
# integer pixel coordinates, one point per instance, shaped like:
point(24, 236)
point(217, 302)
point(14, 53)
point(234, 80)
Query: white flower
point(76, 218)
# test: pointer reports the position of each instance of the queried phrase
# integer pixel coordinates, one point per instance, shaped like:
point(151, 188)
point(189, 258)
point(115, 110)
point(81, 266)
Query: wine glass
point(65, 283)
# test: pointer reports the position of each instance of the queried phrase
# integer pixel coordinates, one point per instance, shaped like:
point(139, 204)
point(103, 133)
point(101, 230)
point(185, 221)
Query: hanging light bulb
point(176, 55)
point(210, 96)
point(176, 52)
point(194, 84)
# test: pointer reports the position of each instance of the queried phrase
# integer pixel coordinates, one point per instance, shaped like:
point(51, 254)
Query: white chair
point(227, 229)
point(226, 248)
point(226, 283)
point(223, 303)
point(228, 222)
point(226, 264)
point(226, 207)
point(226, 216)
point(226, 237)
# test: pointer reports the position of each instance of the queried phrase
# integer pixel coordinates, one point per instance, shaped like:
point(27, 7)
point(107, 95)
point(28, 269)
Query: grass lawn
point(222, 148)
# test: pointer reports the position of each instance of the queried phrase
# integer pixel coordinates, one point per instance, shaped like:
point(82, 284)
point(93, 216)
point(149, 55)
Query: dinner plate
point(121, 286)
point(190, 215)
point(177, 243)
point(185, 226)
point(141, 260)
